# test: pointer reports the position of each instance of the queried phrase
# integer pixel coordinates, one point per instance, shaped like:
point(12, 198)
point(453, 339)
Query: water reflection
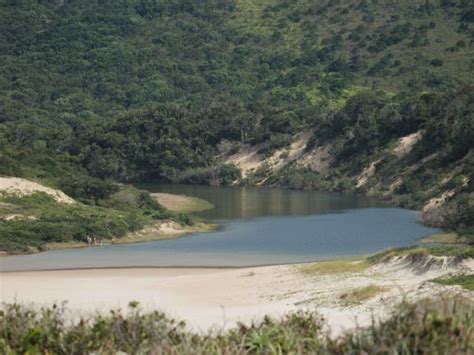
point(249, 202)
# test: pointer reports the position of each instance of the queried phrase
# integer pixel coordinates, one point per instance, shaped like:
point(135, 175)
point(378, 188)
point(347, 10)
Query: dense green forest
point(131, 90)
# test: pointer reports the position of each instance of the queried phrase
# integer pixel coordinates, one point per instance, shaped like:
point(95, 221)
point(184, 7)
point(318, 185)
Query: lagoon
point(257, 227)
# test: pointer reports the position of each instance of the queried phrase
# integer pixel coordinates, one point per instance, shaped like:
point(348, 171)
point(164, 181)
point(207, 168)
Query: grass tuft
point(463, 252)
point(446, 238)
point(465, 281)
point(358, 295)
point(334, 267)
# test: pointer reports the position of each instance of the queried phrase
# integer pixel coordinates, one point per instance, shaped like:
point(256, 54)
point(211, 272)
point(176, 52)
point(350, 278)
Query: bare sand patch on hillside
point(406, 144)
point(248, 159)
point(23, 187)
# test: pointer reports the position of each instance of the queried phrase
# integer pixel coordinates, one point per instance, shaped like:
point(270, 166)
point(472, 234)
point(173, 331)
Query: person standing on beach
point(89, 241)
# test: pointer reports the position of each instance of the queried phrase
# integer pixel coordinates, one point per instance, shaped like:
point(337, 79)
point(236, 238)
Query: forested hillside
point(133, 90)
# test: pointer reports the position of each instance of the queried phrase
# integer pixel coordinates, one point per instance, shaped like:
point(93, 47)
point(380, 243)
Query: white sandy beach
point(219, 298)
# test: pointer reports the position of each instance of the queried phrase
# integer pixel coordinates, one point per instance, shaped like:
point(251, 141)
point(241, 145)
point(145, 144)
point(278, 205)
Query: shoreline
point(146, 234)
point(150, 233)
point(196, 267)
point(153, 230)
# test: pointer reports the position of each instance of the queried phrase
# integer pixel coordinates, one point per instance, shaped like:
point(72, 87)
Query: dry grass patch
point(460, 251)
point(395, 252)
point(334, 267)
point(446, 238)
point(358, 295)
point(249, 274)
point(182, 203)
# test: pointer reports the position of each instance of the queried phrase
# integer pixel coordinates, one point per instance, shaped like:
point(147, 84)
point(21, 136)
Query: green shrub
point(437, 62)
point(300, 178)
point(228, 174)
point(129, 198)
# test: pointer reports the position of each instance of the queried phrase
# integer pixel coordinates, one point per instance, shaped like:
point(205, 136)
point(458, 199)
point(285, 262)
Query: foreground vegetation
point(425, 328)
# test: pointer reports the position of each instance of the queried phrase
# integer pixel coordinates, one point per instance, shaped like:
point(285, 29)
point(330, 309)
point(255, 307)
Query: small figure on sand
point(93, 242)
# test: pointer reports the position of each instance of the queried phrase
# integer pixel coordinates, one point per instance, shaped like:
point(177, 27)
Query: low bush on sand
point(465, 281)
point(462, 252)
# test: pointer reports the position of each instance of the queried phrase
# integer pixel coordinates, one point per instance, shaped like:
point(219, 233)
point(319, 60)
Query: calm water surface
point(258, 227)
point(250, 202)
